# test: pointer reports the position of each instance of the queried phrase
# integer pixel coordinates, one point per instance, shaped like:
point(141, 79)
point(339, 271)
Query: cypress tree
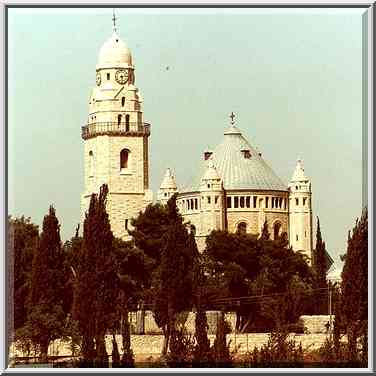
point(354, 307)
point(46, 316)
point(96, 288)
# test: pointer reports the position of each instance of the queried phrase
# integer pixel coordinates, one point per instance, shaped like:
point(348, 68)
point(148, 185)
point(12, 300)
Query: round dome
point(114, 53)
point(240, 166)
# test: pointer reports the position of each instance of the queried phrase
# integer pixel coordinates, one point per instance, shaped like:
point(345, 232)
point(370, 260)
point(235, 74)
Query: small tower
point(300, 211)
point(168, 187)
point(116, 138)
point(212, 200)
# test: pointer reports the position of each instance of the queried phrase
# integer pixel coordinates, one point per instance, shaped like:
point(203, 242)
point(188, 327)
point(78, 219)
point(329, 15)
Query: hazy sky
point(293, 78)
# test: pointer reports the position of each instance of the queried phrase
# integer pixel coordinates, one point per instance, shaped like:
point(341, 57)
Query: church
point(234, 190)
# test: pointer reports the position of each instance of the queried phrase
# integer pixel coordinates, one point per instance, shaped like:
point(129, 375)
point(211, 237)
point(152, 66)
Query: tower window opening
point(236, 202)
point(196, 203)
point(272, 202)
point(165, 194)
point(304, 200)
point(305, 233)
point(207, 155)
point(192, 204)
point(280, 202)
point(91, 164)
point(123, 101)
point(209, 200)
point(208, 185)
point(108, 76)
point(126, 224)
point(277, 228)
point(229, 202)
point(247, 201)
point(127, 123)
point(124, 158)
point(254, 201)
point(297, 237)
point(266, 202)
point(119, 119)
point(297, 201)
point(242, 201)
point(216, 199)
point(296, 187)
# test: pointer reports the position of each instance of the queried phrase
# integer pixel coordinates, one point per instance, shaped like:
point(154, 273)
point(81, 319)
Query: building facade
point(235, 189)
point(116, 138)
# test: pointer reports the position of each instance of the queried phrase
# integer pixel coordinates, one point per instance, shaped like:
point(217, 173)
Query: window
point(277, 227)
point(297, 201)
point(248, 202)
point(229, 202)
point(193, 229)
point(297, 237)
point(254, 201)
point(165, 194)
point(296, 187)
point(280, 202)
point(266, 202)
point(209, 200)
point(207, 155)
point(124, 157)
point(119, 119)
point(126, 224)
point(91, 164)
point(196, 203)
point(127, 123)
point(242, 228)
point(242, 202)
point(304, 200)
point(272, 202)
point(305, 233)
point(216, 199)
point(236, 202)
point(246, 154)
point(208, 185)
point(123, 101)
point(108, 76)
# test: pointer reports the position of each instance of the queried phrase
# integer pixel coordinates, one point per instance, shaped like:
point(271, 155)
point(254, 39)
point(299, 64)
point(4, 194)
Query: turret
point(212, 200)
point(168, 187)
point(300, 211)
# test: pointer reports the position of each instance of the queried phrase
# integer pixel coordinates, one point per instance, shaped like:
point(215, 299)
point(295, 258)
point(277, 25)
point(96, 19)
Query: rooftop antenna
point(113, 21)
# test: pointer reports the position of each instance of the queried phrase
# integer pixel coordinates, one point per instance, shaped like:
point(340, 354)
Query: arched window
point(242, 228)
point(193, 229)
point(91, 163)
point(123, 101)
point(127, 123)
point(124, 158)
point(277, 228)
point(119, 119)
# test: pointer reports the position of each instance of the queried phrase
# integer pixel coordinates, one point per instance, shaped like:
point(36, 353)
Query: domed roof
point(211, 172)
point(168, 181)
point(240, 166)
point(114, 53)
point(299, 172)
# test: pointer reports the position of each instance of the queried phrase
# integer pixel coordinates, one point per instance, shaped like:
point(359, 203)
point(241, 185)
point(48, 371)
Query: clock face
point(98, 79)
point(121, 76)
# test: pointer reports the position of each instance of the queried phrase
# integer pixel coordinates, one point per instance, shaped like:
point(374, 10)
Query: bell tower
point(300, 211)
point(116, 138)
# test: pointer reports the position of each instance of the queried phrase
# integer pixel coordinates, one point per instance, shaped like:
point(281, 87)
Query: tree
point(96, 286)
point(23, 240)
point(173, 281)
point(221, 350)
point(354, 296)
point(46, 318)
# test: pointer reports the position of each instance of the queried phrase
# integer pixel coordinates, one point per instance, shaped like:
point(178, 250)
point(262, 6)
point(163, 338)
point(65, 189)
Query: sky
point(293, 77)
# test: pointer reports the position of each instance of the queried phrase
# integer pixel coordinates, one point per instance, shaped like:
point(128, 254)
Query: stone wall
point(316, 323)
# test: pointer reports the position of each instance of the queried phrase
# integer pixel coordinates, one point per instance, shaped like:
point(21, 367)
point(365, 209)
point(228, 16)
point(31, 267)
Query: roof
point(236, 171)
point(168, 181)
point(114, 53)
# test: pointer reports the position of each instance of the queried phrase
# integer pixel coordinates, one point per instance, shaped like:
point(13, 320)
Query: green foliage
point(242, 265)
point(96, 284)
point(220, 349)
point(353, 310)
point(279, 351)
point(46, 318)
point(202, 355)
point(181, 349)
point(22, 244)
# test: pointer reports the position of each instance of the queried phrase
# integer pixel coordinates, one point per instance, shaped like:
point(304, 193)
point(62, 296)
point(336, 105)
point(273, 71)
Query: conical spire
point(298, 174)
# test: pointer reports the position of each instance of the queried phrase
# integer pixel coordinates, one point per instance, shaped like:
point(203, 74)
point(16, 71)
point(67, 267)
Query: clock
point(121, 76)
point(98, 79)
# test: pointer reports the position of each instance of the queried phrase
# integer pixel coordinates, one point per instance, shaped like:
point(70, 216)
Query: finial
point(232, 117)
point(113, 20)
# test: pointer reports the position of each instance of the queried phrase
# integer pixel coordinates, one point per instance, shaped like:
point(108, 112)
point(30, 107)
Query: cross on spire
point(232, 117)
point(113, 20)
